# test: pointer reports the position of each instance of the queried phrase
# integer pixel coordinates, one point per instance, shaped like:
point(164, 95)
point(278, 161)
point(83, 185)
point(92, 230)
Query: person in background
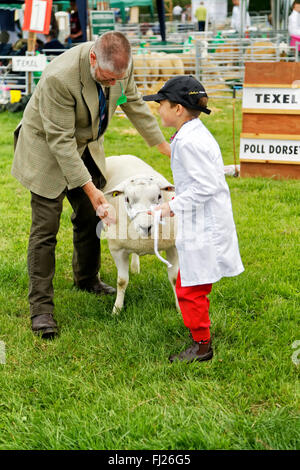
point(75, 27)
point(236, 17)
point(177, 10)
point(53, 43)
point(200, 15)
point(188, 10)
point(294, 24)
point(5, 47)
point(39, 45)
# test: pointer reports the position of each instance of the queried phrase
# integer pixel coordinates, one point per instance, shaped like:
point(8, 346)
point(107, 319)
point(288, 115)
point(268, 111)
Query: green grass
point(106, 382)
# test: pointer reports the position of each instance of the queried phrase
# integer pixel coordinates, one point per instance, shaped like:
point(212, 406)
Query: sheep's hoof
point(116, 310)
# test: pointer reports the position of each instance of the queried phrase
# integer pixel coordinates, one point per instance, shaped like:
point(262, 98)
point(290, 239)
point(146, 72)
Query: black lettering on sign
point(286, 99)
point(266, 98)
point(258, 95)
point(276, 99)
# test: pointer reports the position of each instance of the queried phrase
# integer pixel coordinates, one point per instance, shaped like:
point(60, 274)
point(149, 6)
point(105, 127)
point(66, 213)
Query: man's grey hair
point(113, 51)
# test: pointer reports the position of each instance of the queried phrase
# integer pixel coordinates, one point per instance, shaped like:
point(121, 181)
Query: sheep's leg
point(135, 263)
point(121, 258)
point(172, 257)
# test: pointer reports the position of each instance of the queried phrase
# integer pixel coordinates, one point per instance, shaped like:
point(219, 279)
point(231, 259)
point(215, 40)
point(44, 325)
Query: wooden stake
point(31, 41)
point(30, 48)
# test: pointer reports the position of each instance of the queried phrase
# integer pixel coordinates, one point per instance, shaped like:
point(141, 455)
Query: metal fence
point(218, 62)
point(17, 81)
point(150, 29)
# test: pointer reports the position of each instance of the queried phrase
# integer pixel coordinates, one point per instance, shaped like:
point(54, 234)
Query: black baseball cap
point(183, 89)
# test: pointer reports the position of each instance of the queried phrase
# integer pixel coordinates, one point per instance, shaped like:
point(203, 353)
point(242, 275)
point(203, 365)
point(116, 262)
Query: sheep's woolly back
point(122, 167)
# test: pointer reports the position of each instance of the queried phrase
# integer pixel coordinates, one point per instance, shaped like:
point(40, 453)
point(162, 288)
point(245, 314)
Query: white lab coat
point(206, 241)
point(294, 23)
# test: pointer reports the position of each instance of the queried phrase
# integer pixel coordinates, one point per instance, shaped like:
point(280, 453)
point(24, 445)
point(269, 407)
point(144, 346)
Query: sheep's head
point(140, 194)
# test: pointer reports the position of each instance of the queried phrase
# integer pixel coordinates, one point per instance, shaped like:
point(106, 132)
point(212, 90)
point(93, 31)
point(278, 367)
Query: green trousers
point(42, 241)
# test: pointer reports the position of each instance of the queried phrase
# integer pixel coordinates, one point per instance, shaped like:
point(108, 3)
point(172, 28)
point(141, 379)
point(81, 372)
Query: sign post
point(270, 138)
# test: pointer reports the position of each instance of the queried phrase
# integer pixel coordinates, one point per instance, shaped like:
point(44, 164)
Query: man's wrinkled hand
point(99, 203)
point(106, 214)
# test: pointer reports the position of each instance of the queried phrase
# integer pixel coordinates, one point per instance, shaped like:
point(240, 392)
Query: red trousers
point(194, 306)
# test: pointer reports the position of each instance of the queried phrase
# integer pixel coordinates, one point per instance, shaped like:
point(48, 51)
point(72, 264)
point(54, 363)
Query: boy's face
point(167, 114)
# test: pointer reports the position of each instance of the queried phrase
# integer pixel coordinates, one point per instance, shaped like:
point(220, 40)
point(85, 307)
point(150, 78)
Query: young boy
point(206, 241)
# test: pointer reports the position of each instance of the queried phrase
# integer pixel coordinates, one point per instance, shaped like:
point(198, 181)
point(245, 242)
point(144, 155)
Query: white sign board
point(270, 149)
point(35, 63)
point(38, 15)
point(271, 98)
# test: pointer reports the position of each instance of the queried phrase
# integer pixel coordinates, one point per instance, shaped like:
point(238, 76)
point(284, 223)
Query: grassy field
point(106, 382)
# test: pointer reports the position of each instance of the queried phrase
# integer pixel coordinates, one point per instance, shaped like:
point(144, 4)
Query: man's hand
point(99, 202)
point(165, 148)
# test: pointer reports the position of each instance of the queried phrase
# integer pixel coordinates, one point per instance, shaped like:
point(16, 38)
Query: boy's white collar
point(187, 128)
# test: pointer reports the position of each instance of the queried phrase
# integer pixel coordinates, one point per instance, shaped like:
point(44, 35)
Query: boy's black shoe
point(44, 325)
point(196, 352)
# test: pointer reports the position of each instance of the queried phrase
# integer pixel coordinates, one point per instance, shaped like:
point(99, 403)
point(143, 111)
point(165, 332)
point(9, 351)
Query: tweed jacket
point(62, 119)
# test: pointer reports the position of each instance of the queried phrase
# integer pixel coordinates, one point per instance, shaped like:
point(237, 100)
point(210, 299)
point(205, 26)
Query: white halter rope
point(157, 215)
point(133, 213)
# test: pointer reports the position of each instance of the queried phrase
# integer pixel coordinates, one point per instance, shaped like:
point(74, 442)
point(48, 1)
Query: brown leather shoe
point(44, 325)
point(196, 352)
point(96, 287)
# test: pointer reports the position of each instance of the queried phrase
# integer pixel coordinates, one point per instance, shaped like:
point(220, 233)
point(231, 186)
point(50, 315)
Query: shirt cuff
point(88, 181)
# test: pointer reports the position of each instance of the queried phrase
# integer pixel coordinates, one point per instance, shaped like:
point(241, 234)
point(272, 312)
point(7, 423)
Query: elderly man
point(59, 152)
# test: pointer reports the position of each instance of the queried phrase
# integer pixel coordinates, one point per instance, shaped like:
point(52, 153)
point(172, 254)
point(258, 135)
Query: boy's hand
point(165, 148)
point(165, 210)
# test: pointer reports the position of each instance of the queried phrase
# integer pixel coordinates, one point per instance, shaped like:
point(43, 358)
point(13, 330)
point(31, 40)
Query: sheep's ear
point(163, 183)
point(115, 190)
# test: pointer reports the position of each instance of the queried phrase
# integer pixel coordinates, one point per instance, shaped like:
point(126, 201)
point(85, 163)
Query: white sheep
point(132, 188)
